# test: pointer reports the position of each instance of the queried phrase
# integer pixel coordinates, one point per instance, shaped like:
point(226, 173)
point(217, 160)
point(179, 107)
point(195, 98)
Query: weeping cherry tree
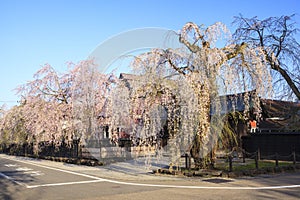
point(189, 81)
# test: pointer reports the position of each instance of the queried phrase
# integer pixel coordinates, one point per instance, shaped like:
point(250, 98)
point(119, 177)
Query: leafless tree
point(277, 37)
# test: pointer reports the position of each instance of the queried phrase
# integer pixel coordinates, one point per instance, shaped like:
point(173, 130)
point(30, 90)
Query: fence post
point(190, 161)
point(294, 158)
point(258, 154)
point(186, 161)
point(230, 162)
point(256, 160)
point(75, 148)
point(25, 149)
point(276, 159)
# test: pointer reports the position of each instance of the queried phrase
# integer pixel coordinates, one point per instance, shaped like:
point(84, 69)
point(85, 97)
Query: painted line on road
point(34, 173)
point(60, 184)
point(25, 169)
point(97, 179)
point(11, 165)
point(204, 187)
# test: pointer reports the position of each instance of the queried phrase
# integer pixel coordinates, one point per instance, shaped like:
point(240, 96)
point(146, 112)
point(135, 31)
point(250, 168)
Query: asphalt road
point(24, 178)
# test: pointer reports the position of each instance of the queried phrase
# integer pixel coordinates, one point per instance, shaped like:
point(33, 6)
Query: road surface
point(26, 178)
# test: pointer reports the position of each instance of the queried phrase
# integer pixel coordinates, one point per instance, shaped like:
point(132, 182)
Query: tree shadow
point(11, 184)
point(5, 192)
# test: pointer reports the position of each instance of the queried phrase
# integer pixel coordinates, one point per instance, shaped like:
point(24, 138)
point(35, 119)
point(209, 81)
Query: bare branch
point(276, 36)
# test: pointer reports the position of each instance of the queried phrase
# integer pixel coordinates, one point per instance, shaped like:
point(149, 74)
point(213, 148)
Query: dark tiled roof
point(280, 115)
point(279, 109)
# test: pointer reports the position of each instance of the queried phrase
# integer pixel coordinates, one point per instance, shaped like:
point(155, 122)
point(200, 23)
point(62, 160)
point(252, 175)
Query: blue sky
point(35, 32)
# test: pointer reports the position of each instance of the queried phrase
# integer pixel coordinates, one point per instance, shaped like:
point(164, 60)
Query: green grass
point(250, 165)
point(221, 168)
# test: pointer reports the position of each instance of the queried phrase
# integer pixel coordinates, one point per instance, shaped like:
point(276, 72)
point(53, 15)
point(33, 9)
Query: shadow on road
point(9, 189)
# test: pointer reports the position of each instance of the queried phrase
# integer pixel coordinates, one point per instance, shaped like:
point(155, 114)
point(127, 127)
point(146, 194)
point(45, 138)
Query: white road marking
point(23, 169)
point(34, 173)
point(97, 179)
point(60, 184)
point(168, 186)
point(11, 165)
point(205, 187)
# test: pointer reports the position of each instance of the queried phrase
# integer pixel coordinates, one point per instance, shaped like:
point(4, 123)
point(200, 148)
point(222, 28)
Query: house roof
point(280, 109)
point(280, 115)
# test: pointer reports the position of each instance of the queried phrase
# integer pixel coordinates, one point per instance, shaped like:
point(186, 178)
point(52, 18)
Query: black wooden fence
point(281, 144)
point(45, 149)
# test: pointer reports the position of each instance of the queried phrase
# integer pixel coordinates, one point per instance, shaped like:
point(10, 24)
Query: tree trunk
point(200, 150)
